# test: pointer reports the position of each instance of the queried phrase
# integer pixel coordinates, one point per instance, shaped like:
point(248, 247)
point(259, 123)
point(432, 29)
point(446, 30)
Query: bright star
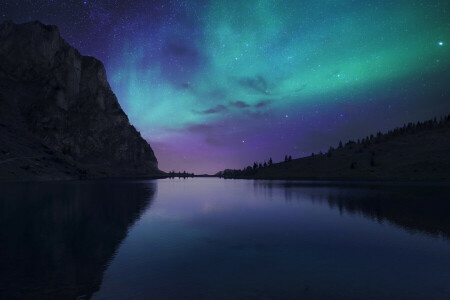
point(441, 43)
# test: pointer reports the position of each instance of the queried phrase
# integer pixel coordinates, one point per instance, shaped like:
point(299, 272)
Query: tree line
point(184, 174)
point(250, 170)
point(410, 128)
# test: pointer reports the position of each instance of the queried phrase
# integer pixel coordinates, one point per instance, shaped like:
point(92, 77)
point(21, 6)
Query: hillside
point(59, 118)
point(413, 152)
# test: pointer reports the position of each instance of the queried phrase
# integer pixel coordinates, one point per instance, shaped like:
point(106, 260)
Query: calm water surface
point(208, 238)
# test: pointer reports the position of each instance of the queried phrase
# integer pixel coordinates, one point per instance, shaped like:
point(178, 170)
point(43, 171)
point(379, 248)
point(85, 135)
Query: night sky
point(219, 84)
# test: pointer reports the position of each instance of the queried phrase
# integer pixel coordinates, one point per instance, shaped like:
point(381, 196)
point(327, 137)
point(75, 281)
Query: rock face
point(59, 117)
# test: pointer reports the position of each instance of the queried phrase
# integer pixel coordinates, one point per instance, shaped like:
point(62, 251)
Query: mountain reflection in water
point(417, 208)
point(57, 238)
point(209, 238)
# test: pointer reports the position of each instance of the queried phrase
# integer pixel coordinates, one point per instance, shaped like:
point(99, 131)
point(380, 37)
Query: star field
point(219, 84)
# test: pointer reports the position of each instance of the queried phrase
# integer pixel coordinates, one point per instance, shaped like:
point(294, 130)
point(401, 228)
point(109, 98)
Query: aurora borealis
point(220, 84)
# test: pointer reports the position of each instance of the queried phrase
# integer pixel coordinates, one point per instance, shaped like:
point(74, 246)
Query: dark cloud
point(214, 110)
point(179, 59)
point(257, 83)
point(180, 49)
point(185, 85)
point(239, 104)
point(262, 104)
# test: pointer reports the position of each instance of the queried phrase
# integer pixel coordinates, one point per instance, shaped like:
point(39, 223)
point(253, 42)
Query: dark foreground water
point(209, 238)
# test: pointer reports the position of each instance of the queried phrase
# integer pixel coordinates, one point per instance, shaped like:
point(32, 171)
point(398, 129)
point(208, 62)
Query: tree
point(255, 165)
point(265, 164)
point(289, 158)
point(340, 145)
point(285, 158)
point(270, 161)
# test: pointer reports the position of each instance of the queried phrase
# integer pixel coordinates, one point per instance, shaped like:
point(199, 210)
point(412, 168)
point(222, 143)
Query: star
point(441, 43)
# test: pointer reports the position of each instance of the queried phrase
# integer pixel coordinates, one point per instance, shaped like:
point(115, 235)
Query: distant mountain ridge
point(59, 118)
point(416, 151)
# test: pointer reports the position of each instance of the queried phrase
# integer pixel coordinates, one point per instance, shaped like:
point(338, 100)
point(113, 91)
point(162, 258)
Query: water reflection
point(58, 238)
point(207, 238)
point(417, 208)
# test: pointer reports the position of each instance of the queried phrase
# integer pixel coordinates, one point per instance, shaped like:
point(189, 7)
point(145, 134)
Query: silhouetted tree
point(340, 145)
point(270, 161)
point(289, 158)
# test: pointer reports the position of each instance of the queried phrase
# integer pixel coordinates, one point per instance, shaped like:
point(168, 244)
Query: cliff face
point(59, 117)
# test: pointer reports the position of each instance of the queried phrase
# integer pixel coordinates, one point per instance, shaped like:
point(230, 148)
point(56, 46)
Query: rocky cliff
point(58, 115)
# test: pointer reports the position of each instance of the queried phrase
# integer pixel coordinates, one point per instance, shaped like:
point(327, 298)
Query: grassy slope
point(424, 155)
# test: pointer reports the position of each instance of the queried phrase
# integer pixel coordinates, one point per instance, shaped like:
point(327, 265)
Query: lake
point(210, 238)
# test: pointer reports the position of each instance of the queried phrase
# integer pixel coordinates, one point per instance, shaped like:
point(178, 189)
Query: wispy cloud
point(214, 110)
point(257, 83)
point(239, 104)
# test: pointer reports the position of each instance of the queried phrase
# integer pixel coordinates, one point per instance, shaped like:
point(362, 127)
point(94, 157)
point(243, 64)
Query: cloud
point(214, 110)
point(257, 83)
point(181, 49)
point(262, 104)
point(301, 88)
point(179, 59)
point(239, 104)
point(185, 86)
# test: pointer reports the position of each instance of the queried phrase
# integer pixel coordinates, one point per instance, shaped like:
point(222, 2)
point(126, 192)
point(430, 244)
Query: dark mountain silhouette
point(59, 118)
point(58, 243)
point(415, 208)
point(416, 151)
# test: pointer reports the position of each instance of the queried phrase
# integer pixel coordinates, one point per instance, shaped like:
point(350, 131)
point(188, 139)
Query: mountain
point(417, 151)
point(59, 118)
